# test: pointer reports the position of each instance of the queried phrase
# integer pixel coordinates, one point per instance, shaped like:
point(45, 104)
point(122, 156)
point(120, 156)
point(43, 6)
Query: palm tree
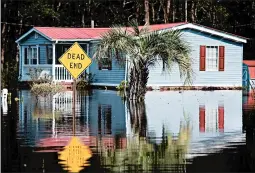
point(144, 48)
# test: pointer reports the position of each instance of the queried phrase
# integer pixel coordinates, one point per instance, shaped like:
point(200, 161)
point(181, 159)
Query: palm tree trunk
point(139, 75)
point(138, 117)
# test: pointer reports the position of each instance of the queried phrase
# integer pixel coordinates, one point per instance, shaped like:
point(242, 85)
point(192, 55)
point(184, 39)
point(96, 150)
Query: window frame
point(29, 59)
point(49, 57)
point(65, 46)
point(211, 117)
point(105, 113)
point(209, 58)
point(101, 65)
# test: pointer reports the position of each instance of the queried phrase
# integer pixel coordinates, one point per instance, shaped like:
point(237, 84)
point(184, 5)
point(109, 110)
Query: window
point(61, 49)
point(65, 48)
point(105, 117)
point(105, 64)
point(211, 118)
point(49, 51)
point(31, 55)
point(212, 58)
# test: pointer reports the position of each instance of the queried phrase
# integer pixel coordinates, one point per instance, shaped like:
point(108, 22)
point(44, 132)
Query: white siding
point(231, 76)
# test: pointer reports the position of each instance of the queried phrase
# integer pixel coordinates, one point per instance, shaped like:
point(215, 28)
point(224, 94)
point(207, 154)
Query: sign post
point(73, 106)
point(76, 61)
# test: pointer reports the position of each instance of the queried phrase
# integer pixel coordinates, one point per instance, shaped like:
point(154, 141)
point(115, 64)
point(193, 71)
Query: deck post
point(53, 61)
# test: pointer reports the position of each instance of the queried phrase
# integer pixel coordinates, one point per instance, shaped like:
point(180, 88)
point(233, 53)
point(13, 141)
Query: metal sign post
point(76, 61)
point(74, 103)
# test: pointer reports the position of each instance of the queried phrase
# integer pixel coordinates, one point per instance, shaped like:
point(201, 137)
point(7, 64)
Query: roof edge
point(212, 31)
point(29, 32)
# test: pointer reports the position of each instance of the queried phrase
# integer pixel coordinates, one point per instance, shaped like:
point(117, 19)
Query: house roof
point(87, 33)
point(84, 34)
point(250, 63)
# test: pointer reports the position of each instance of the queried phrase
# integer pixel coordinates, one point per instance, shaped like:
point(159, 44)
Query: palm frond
point(117, 42)
point(145, 48)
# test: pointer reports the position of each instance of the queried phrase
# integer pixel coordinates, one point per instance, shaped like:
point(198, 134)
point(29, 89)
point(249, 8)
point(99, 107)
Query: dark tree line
point(234, 16)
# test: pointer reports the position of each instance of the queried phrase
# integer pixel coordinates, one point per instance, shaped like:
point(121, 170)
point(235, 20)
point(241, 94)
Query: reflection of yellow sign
point(75, 60)
point(75, 156)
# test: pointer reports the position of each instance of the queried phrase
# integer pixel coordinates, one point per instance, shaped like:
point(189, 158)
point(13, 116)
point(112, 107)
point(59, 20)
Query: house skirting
point(204, 88)
point(108, 86)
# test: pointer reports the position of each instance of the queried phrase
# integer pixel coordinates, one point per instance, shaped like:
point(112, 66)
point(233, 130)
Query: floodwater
point(171, 131)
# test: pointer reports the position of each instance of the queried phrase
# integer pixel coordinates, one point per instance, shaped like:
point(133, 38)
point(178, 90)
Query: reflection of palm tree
point(138, 117)
point(140, 154)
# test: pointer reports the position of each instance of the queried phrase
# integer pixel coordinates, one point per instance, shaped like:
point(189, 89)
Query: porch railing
point(61, 74)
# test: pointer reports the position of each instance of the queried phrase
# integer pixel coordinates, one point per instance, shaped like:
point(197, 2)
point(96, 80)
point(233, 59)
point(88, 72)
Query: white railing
point(61, 74)
point(63, 102)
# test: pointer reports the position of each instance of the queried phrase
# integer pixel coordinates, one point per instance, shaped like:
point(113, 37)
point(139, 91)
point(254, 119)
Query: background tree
point(234, 16)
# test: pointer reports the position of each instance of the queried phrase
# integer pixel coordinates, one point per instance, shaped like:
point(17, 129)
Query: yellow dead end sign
point(75, 60)
point(75, 156)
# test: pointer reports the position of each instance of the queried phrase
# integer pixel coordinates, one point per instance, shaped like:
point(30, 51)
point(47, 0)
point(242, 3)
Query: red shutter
point(201, 118)
point(202, 57)
point(221, 118)
point(221, 58)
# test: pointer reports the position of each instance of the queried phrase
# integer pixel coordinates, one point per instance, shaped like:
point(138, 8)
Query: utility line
point(18, 24)
point(244, 25)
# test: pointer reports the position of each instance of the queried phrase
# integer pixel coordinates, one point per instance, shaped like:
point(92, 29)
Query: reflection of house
point(217, 55)
point(55, 144)
point(209, 112)
point(109, 113)
point(63, 102)
point(249, 101)
point(99, 116)
point(211, 119)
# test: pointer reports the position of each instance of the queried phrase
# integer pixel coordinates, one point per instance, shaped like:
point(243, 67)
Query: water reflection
point(4, 105)
point(75, 155)
point(141, 154)
point(155, 135)
point(216, 117)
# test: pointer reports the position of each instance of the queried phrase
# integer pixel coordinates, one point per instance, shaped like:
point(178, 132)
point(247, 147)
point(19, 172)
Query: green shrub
point(122, 85)
point(36, 77)
point(85, 81)
point(46, 89)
